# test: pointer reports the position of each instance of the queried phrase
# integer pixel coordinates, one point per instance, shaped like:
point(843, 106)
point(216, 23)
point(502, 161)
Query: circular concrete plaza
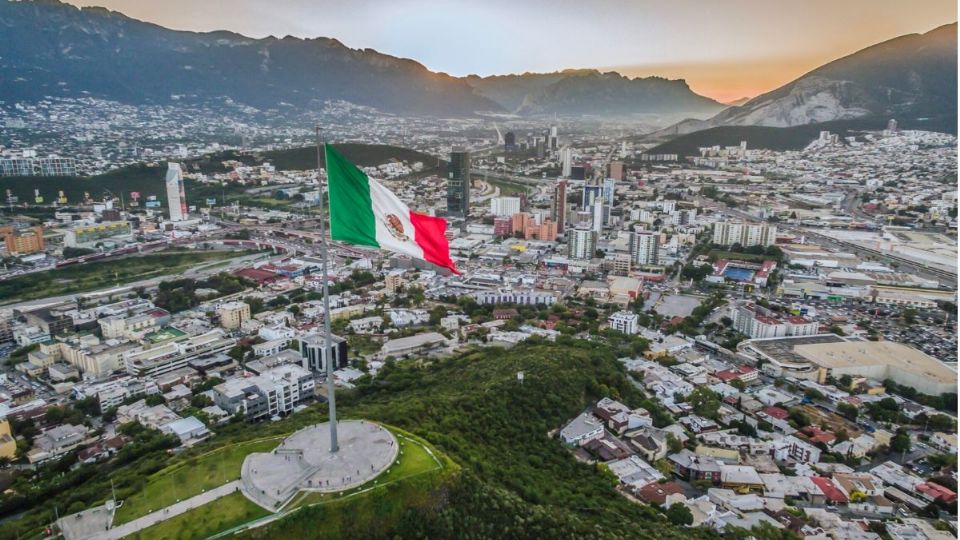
point(303, 461)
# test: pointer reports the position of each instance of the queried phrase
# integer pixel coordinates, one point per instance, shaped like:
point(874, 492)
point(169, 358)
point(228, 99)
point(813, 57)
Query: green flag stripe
point(351, 211)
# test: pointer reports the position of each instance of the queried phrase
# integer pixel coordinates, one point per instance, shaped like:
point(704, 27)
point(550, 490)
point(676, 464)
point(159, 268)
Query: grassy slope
point(516, 481)
point(415, 465)
point(94, 275)
point(186, 479)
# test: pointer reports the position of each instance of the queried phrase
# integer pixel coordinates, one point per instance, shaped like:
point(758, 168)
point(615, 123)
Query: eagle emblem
point(395, 226)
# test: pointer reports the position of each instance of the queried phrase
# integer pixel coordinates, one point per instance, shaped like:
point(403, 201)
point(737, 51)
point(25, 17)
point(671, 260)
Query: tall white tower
point(176, 198)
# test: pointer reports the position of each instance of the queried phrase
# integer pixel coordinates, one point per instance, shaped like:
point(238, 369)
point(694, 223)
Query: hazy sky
point(725, 49)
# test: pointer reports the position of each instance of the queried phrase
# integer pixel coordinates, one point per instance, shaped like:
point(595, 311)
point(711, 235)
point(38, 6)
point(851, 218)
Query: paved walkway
point(169, 512)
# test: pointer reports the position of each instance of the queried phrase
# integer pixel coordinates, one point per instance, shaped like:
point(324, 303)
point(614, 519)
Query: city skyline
point(723, 52)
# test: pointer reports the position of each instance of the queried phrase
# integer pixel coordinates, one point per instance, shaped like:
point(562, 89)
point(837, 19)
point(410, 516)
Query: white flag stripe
point(385, 204)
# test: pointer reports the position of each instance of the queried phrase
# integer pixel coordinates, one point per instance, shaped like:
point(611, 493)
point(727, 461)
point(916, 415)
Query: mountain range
point(912, 78)
point(56, 49)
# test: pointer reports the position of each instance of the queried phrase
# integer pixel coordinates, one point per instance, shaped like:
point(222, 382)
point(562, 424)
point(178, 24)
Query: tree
point(900, 442)
point(848, 411)
point(679, 514)
point(705, 402)
point(673, 443)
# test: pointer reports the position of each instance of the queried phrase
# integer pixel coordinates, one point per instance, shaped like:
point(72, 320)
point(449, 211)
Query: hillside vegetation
point(148, 178)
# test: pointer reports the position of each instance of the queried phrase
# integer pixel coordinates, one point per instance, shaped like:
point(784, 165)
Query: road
point(201, 270)
point(169, 512)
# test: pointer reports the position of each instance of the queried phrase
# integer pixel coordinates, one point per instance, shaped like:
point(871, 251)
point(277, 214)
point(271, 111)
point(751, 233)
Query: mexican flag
point(364, 213)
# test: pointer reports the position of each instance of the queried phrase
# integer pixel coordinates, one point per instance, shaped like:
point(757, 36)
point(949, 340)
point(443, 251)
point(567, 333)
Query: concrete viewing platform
point(303, 462)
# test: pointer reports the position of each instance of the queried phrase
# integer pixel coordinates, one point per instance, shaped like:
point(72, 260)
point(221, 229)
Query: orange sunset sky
point(725, 49)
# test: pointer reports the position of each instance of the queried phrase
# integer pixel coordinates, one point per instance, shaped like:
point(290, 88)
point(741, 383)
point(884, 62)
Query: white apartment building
point(644, 248)
point(625, 322)
point(745, 234)
point(758, 323)
point(582, 243)
point(504, 206)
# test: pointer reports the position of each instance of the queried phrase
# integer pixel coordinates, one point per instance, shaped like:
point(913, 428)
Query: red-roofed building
point(657, 493)
point(816, 435)
point(936, 492)
point(262, 277)
point(831, 492)
point(744, 373)
point(775, 412)
point(504, 314)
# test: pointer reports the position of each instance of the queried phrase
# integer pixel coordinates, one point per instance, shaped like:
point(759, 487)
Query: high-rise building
point(546, 231)
point(560, 205)
point(233, 314)
point(458, 184)
point(504, 206)
point(552, 138)
point(176, 198)
point(590, 194)
point(599, 214)
point(502, 227)
point(745, 234)
point(566, 161)
point(22, 239)
point(578, 172)
point(581, 243)
point(510, 142)
point(609, 190)
point(313, 352)
point(615, 170)
point(522, 220)
point(644, 248)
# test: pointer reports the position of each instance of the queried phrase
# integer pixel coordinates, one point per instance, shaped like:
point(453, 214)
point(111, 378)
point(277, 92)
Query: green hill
point(516, 481)
point(148, 178)
point(511, 480)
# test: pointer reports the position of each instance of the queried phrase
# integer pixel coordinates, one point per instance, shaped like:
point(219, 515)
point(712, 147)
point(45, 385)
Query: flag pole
point(328, 336)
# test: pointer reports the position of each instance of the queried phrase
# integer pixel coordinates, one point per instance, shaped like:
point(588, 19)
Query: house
point(692, 467)
point(664, 494)
point(740, 477)
point(649, 442)
point(699, 424)
point(582, 429)
point(102, 449)
point(607, 448)
point(619, 417)
point(831, 493)
point(790, 448)
point(634, 472)
point(56, 441)
point(935, 492)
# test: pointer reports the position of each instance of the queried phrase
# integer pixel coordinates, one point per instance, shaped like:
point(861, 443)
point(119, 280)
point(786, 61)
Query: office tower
point(598, 211)
point(313, 351)
point(578, 172)
point(541, 148)
point(644, 248)
point(745, 234)
point(552, 139)
point(560, 205)
point(590, 194)
point(566, 161)
point(510, 142)
point(581, 244)
point(504, 206)
point(615, 170)
point(176, 199)
point(458, 183)
point(609, 191)
point(892, 125)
